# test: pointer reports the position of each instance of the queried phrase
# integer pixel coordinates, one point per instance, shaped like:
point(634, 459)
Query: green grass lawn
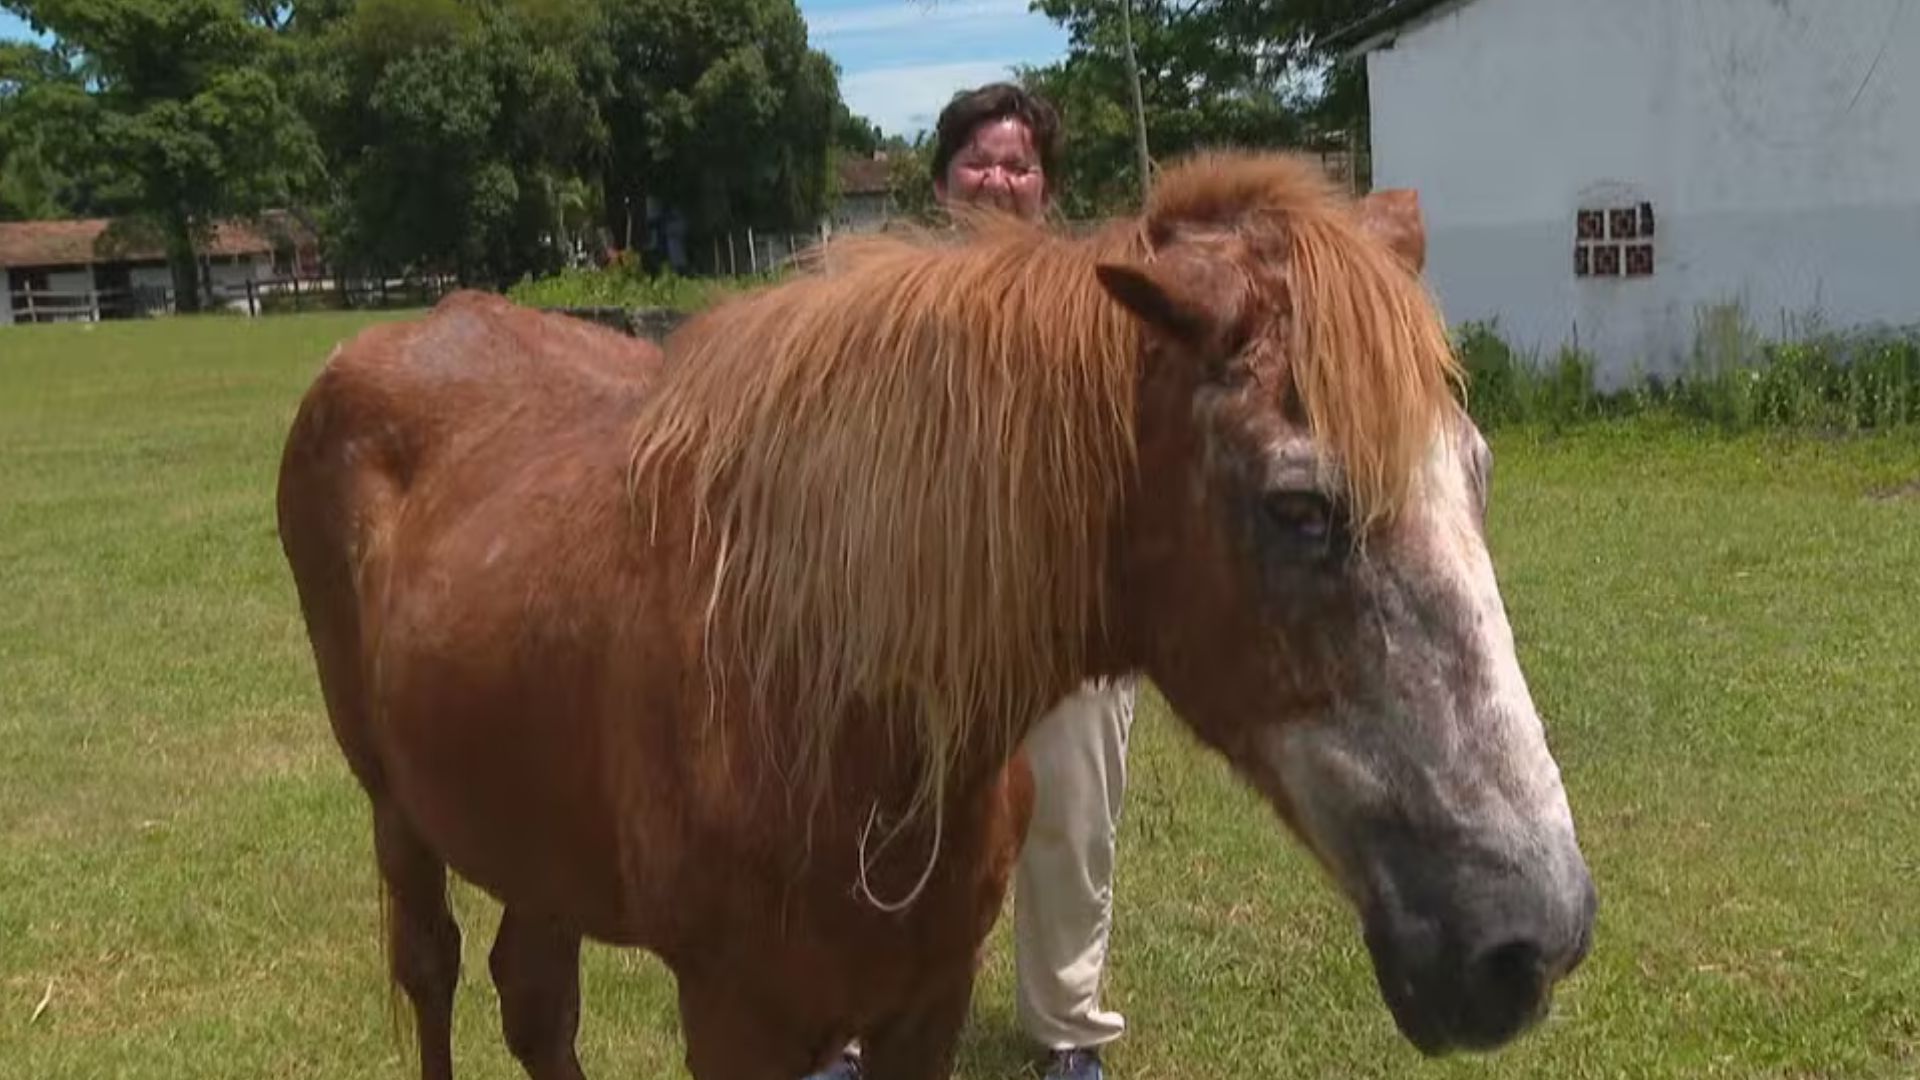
point(1724, 636)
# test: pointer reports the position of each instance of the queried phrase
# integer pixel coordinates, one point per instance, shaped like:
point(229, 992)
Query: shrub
point(1493, 375)
point(1506, 387)
point(1735, 380)
point(626, 287)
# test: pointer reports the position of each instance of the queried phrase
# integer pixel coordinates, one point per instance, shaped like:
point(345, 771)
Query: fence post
point(93, 304)
point(296, 289)
point(253, 301)
point(32, 317)
point(733, 265)
point(753, 252)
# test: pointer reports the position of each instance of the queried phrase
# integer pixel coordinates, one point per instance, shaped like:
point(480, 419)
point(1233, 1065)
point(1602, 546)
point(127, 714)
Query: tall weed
point(620, 286)
point(1735, 380)
point(1504, 386)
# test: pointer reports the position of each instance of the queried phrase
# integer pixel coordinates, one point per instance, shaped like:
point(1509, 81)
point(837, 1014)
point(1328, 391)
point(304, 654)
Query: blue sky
point(900, 60)
point(12, 26)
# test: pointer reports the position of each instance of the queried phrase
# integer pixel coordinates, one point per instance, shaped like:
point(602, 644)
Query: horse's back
point(404, 406)
point(469, 360)
point(450, 498)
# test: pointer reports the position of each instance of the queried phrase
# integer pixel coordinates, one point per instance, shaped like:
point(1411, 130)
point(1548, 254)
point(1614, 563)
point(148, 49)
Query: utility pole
point(1142, 162)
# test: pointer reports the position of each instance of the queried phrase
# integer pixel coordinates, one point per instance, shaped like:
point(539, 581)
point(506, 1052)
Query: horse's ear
point(1393, 216)
point(1160, 300)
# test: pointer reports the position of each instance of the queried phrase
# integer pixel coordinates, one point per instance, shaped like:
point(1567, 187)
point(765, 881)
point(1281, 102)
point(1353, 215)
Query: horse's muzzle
point(1475, 974)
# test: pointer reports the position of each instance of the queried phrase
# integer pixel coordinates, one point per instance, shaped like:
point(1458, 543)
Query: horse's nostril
point(1514, 971)
point(1506, 991)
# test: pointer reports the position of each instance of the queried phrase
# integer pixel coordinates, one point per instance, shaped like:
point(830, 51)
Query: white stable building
point(1607, 172)
point(61, 271)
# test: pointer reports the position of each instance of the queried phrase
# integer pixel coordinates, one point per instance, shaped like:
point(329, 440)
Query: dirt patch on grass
point(1896, 492)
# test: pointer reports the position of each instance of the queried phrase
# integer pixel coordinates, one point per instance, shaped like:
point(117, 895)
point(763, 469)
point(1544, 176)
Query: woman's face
point(998, 167)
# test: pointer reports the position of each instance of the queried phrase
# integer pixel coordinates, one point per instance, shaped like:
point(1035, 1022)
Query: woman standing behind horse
point(999, 147)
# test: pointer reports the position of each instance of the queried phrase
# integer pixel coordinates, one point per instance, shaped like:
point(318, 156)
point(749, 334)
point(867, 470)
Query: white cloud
point(890, 17)
point(905, 100)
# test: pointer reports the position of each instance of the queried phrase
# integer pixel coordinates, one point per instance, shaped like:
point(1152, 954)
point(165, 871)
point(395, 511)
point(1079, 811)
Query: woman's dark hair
point(997, 101)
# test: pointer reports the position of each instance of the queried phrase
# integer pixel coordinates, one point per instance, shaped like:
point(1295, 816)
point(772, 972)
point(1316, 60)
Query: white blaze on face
point(1523, 767)
point(1446, 741)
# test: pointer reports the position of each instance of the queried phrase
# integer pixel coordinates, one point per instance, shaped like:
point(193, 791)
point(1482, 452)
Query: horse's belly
point(494, 667)
point(515, 801)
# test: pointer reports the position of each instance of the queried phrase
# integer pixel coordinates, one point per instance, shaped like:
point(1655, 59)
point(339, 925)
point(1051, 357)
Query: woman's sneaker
point(847, 1068)
point(1074, 1065)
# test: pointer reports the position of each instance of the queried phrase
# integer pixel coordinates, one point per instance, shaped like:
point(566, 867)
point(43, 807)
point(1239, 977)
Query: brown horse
point(728, 654)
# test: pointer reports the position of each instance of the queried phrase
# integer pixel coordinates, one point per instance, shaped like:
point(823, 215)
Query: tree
point(910, 178)
point(39, 95)
point(456, 131)
point(478, 137)
point(719, 110)
point(854, 133)
point(1212, 72)
point(177, 102)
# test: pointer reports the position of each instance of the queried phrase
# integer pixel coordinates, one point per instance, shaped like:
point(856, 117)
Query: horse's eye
point(1305, 518)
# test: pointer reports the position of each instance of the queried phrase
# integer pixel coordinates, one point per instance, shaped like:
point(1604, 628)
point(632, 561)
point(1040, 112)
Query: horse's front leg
point(918, 1042)
point(536, 968)
point(734, 1035)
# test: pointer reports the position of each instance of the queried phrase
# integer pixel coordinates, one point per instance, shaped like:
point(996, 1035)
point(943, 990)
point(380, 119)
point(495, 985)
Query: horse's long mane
point(905, 465)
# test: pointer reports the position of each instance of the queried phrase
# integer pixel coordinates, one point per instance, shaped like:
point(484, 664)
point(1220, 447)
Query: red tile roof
point(864, 176)
point(78, 243)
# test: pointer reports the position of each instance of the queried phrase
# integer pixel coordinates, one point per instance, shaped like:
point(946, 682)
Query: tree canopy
point(1212, 72)
point(720, 109)
point(455, 133)
point(160, 109)
point(479, 137)
point(486, 138)
point(44, 113)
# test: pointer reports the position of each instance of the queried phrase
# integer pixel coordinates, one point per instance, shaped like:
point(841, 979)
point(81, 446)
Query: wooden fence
point(747, 251)
point(254, 297)
point(91, 305)
point(303, 294)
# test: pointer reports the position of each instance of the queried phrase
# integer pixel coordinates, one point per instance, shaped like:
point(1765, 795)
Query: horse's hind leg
point(918, 1043)
point(536, 967)
point(423, 943)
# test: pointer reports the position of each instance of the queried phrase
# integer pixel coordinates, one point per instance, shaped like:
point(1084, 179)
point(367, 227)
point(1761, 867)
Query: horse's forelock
point(1369, 354)
point(1366, 349)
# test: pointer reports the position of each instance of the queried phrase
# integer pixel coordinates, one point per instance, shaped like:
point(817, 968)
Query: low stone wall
point(651, 323)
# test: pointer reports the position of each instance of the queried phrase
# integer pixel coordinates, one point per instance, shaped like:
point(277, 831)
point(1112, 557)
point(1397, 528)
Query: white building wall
point(860, 213)
point(231, 279)
point(70, 281)
point(237, 273)
point(71, 288)
point(1777, 140)
point(227, 276)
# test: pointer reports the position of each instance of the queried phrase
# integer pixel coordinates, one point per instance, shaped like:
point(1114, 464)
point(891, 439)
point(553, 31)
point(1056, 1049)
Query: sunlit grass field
point(1723, 634)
